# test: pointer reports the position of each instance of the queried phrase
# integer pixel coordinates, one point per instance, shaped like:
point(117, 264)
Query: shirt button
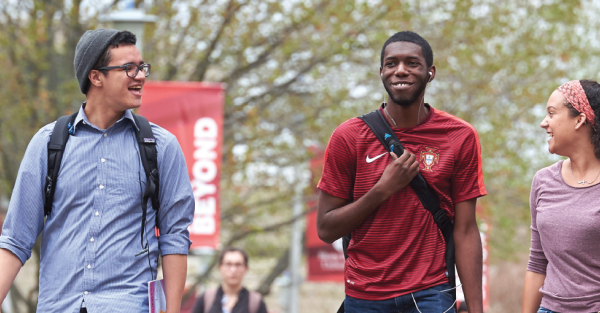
point(97, 213)
point(85, 292)
point(89, 266)
point(105, 135)
point(101, 186)
point(103, 160)
point(92, 240)
point(84, 122)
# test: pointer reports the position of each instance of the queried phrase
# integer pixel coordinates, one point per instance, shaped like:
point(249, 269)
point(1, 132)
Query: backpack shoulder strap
point(209, 298)
point(148, 154)
point(254, 301)
point(382, 130)
point(56, 146)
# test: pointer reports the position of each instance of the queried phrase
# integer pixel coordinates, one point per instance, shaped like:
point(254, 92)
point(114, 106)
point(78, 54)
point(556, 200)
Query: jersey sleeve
point(467, 179)
point(339, 168)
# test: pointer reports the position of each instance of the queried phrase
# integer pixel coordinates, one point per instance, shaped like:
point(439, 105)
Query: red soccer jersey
point(399, 249)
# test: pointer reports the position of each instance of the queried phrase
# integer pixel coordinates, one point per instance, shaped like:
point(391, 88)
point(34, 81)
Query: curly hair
point(415, 38)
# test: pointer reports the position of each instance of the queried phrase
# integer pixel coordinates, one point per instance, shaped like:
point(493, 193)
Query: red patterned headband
point(575, 95)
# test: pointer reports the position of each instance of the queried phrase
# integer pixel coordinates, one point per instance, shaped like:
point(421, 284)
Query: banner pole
point(296, 245)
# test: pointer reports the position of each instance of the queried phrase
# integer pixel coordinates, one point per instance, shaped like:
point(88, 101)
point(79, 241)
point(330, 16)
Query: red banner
point(193, 112)
point(325, 261)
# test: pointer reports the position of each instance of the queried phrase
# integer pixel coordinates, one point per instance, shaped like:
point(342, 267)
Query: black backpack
point(147, 145)
point(429, 198)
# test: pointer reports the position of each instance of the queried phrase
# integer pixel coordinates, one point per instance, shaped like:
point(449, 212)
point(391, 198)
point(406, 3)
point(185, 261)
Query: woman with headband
point(563, 274)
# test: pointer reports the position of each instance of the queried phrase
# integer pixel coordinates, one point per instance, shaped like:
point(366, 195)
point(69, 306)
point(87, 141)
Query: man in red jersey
point(396, 255)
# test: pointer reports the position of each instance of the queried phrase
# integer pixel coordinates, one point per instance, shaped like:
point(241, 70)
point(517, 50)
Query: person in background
point(231, 296)
point(562, 274)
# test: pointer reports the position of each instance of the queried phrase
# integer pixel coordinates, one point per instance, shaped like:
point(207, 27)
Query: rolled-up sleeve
point(176, 199)
point(537, 258)
point(25, 218)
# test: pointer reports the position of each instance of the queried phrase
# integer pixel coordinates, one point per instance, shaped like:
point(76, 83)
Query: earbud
point(430, 76)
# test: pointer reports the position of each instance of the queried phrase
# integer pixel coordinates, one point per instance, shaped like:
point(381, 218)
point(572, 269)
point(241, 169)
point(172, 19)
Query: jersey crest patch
point(429, 158)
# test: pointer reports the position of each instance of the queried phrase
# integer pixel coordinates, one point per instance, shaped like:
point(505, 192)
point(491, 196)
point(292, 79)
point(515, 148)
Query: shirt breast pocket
point(129, 189)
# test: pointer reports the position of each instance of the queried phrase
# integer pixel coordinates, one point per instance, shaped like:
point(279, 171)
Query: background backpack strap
point(147, 145)
point(254, 301)
point(56, 146)
point(429, 198)
point(209, 299)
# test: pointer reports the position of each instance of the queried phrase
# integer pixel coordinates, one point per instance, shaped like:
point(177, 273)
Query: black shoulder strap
point(56, 146)
point(147, 145)
point(429, 198)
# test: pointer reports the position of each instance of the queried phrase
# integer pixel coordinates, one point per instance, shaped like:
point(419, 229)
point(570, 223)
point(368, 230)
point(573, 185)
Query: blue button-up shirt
point(90, 239)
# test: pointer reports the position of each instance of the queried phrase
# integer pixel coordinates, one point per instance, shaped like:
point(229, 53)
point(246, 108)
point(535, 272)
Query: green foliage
point(294, 70)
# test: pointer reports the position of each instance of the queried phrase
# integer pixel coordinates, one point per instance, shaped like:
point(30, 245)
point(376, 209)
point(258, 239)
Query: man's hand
point(398, 173)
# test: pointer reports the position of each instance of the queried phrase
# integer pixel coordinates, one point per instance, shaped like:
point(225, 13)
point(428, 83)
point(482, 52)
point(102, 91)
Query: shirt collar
point(81, 116)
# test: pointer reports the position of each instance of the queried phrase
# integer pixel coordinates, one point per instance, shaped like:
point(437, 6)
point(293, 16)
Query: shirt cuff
point(469, 196)
point(174, 244)
point(13, 246)
point(537, 264)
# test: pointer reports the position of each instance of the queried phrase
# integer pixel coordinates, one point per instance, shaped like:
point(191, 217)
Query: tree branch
point(202, 66)
point(274, 90)
point(269, 228)
point(173, 68)
point(280, 89)
point(283, 263)
point(228, 213)
point(264, 56)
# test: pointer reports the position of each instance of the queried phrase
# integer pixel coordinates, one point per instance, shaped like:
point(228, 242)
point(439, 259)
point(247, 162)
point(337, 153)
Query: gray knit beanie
point(89, 49)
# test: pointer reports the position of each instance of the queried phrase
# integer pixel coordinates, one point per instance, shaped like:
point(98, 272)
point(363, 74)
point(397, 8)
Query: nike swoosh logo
point(369, 160)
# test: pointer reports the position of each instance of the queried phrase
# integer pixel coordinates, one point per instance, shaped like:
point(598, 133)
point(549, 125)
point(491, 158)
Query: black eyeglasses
point(130, 69)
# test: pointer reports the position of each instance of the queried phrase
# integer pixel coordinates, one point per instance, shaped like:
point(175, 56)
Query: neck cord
point(388, 114)
point(422, 103)
point(583, 180)
point(419, 113)
point(452, 306)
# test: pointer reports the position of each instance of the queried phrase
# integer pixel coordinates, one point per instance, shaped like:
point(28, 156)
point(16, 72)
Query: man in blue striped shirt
point(90, 239)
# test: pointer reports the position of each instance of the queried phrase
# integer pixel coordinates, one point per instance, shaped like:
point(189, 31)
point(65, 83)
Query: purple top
point(565, 242)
